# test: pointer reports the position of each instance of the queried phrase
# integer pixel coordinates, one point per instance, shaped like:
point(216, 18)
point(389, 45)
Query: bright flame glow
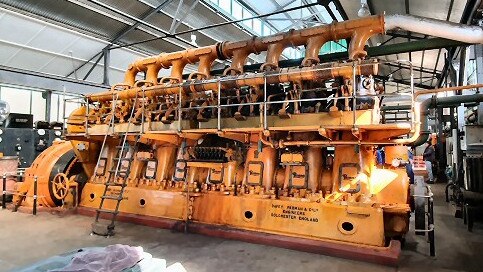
point(380, 178)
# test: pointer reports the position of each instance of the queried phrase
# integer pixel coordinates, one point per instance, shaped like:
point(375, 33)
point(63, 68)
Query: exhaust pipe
point(434, 27)
point(434, 102)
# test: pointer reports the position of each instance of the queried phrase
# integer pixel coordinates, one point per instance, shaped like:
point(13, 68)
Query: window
point(33, 101)
point(54, 108)
point(294, 53)
point(247, 14)
point(257, 26)
point(18, 99)
point(333, 47)
point(38, 103)
point(267, 30)
point(225, 5)
point(334, 10)
point(57, 106)
point(236, 10)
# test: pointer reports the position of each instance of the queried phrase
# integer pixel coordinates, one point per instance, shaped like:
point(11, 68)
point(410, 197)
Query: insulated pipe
point(434, 27)
point(434, 102)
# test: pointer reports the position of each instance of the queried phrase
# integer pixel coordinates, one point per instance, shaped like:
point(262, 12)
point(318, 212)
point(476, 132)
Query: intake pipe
point(359, 31)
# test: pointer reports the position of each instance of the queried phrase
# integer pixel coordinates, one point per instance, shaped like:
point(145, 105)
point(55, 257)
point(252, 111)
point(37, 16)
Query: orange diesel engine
point(281, 155)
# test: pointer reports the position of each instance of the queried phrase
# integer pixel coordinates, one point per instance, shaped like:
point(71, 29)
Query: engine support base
point(379, 255)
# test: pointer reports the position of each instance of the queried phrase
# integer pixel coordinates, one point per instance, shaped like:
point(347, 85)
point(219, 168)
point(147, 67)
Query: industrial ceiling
point(70, 38)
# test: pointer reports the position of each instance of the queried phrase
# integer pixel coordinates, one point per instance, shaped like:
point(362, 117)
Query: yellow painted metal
point(41, 168)
point(275, 173)
point(138, 201)
point(301, 219)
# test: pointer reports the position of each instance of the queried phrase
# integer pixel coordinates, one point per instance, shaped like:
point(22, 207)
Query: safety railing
point(429, 214)
point(19, 175)
point(80, 100)
point(215, 95)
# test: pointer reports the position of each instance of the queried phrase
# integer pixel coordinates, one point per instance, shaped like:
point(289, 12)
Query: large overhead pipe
point(434, 27)
point(359, 31)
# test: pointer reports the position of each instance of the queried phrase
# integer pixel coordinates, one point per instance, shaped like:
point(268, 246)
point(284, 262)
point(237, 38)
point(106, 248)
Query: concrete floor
point(25, 239)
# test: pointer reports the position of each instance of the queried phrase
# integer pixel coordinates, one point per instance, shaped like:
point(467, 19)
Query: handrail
point(265, 102)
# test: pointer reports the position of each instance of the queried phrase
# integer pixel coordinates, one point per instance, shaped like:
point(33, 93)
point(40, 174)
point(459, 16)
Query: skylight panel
point(335, 11)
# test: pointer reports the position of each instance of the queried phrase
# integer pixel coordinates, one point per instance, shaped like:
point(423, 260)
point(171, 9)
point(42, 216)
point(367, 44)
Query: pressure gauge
point(58, 133)
point(1, 132)
point(41, 132)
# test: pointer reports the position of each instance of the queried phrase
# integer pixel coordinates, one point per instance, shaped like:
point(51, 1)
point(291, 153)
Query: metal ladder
point(115, 173)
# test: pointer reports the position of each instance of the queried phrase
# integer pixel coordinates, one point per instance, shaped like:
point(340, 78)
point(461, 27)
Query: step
point(102, 229)
point(123, 159)
point(113, 197)
point(106, 211)
point(119, 171)
point(115, 184)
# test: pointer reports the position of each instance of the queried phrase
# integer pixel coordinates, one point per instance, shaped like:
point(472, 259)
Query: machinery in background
point(465, 144)
point(472, 186)
point(21, 138)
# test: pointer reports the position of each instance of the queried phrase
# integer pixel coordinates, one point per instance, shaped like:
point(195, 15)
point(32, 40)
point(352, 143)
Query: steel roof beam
point(405, 82)
point(216, 25)
point(401, 35)
point(141, 22)
point(119, 36)
point(416, 69)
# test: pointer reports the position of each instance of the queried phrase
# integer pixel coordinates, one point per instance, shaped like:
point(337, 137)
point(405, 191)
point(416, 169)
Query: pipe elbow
point(130, 75)
point(357, 44)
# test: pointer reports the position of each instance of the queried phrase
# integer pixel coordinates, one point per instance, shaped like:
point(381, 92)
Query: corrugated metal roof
point(28, 44)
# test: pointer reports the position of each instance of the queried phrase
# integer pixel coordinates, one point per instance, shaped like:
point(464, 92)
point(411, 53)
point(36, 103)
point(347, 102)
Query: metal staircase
point(117, 175)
